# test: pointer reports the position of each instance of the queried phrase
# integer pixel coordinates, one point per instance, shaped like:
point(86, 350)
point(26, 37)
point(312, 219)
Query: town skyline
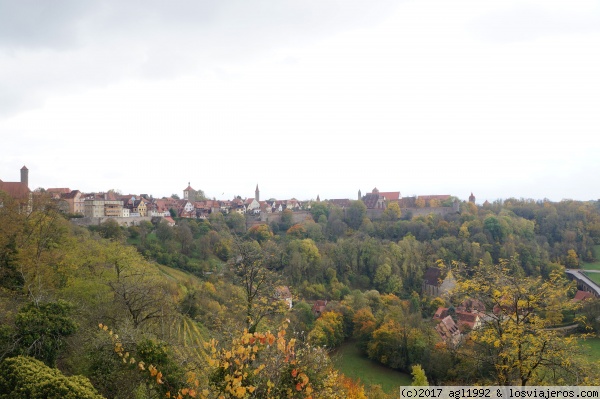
point(232, 194)
point(305, 99)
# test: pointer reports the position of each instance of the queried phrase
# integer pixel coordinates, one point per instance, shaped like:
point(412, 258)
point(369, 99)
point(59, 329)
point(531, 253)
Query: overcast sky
point(303, 98)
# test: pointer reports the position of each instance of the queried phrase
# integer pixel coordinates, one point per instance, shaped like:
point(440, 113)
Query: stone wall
point(130, 221)
point(267, 218)
point(375, 214)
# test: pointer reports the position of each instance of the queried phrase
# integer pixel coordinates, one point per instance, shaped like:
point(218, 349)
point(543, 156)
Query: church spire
point(257, 193)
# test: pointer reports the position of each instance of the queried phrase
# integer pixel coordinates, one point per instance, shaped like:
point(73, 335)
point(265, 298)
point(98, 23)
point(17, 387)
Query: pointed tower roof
point(189, 188)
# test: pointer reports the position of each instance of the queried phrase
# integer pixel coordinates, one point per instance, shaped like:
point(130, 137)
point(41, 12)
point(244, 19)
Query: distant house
point(283, 293)
point(169, 220)
point(436, 282)
point(467, 321)
point(374, 200)
point(319, 307)
point(449, 332)
point(76, 201)
point(57, 193)
point(19, 191)
point(341, 202)
point(252, 205)
point(581, 296)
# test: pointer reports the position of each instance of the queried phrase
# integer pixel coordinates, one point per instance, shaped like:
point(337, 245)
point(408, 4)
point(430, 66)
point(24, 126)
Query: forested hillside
point(196, 309)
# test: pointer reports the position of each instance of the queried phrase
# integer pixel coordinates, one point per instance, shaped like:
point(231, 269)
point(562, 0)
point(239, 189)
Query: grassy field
point(595, 277)
point(349, 361)
point(594, 265)
point(592, 346)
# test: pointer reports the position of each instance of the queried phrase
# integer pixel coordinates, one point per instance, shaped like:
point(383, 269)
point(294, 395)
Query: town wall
point(130, 221)
point(374, 214)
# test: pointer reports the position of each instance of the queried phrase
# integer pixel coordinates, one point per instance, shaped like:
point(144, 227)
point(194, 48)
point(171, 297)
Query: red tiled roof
point(16, 190)
point(582, 296)
point(390, 195)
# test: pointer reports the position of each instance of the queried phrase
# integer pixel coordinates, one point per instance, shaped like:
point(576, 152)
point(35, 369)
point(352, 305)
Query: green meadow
point(348, 360)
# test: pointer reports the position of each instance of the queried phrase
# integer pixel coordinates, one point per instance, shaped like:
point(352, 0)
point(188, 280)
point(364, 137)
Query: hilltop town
point(412, 283)
point(131, 209)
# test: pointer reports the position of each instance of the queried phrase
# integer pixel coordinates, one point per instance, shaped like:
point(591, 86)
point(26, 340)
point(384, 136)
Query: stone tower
point(472, 198)
point(25, 176)
point(188, 191)
point(257, 193)
point(359, 195)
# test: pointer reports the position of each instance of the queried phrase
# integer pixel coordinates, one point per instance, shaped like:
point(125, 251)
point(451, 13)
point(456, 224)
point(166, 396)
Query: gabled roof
point(390, 195)
point(447, 329)
point(71, 195)
point(433, 276)
point(582, 296)
point(370, 200)
point(341, 202)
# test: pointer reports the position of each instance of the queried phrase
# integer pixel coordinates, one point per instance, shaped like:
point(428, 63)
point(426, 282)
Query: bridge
point(583, 283)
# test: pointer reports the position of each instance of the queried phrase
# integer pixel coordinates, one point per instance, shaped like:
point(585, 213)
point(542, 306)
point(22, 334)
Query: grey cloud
point(62, 45)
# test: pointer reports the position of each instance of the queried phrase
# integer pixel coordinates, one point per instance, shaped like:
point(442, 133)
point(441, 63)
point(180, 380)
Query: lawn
point(350, 361)
point(594, 265)
point(595, 277)
point(592, 346)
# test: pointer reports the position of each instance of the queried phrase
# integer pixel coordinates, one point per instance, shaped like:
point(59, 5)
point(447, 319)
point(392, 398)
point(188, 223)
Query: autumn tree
point(257, 281)
point(515, 340)
point(392, 212)
point(328, 330)
point(260, 232)
point(419, 377)
point(137, 290)
point(27, 378)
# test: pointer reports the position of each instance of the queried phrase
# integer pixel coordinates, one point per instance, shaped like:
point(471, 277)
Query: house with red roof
point(19, 191)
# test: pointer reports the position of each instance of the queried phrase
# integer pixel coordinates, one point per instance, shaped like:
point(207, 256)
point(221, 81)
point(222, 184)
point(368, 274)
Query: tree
point(287, 220)
point(41, 329)
point(27, 378)
point(572, 260)
point(328, 330)
point(236, 222)
point(111, 230)
point(136, 288)
point(183, 234)
point(356, 213)
point(260, 232)
point(515, 340)
point(257, 282)
point(317, 210)
point(392, 212)
point(419, 377)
